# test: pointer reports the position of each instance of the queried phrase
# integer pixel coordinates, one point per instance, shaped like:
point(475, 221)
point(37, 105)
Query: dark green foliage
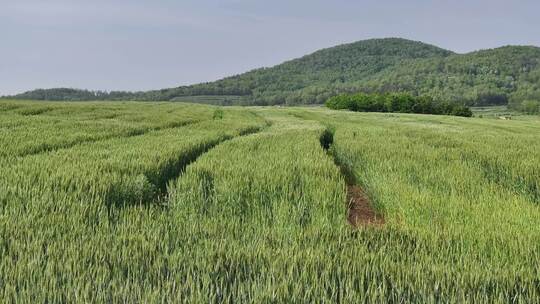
point(488, 77)
point(530, 106)
point(458, 110)
point(327, 138)
point(396, 102)
point(218, 114)
point(68, 94)
point(507, 75)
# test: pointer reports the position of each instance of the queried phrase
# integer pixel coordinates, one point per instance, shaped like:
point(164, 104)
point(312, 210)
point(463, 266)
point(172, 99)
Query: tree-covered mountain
point(494, 76)
point(487, 77)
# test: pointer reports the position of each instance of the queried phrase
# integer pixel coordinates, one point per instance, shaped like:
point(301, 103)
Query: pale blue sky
point(143, 44)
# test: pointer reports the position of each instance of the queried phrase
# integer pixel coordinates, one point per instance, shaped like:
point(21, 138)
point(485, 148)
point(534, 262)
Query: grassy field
point(172, 202)
point(498, 112)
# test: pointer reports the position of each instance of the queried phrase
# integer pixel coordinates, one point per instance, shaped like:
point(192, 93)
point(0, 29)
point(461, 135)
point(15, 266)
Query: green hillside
point(488, 77)
point(313, 78)
point(496, 76)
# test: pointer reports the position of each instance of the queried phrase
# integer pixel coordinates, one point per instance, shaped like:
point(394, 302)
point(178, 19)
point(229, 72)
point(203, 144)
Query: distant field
point(176, 202)
point(211, 99)
point(498, 112)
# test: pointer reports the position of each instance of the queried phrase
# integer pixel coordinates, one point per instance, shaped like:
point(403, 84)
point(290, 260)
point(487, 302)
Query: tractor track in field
point(179, 170)
point(360, 212)
point(174, 171)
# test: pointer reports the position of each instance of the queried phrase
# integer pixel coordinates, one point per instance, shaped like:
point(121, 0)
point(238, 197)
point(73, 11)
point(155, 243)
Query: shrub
point(218, 114)
point(530, 106)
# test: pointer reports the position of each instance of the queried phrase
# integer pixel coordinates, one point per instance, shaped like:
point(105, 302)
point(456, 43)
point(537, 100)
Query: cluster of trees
point(527, 97)
point(396, 102)
point(530, 106)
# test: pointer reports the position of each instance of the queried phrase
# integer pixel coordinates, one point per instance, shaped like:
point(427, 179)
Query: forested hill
point(377, 65)
point(487, 77)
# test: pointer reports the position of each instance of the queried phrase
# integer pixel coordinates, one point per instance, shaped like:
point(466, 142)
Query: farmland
point(175, 202)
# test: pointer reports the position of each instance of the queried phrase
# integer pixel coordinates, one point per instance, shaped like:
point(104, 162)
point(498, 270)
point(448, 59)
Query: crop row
point(32, 128)
point(60, 210)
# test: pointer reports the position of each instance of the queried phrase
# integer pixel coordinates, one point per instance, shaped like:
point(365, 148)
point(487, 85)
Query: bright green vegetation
point(397, 102)
point(236, 205)
point(29, 128)
point(501, 76)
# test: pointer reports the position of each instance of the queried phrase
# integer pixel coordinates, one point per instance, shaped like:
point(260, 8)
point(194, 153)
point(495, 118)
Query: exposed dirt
point(360, 212)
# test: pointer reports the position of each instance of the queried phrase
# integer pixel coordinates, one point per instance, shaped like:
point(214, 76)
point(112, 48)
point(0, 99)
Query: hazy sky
point(143, 44)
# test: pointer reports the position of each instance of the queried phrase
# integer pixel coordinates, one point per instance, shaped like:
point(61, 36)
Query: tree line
point(396, 102)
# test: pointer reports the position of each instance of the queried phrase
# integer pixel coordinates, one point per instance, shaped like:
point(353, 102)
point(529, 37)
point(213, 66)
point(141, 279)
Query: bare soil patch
point(360, 211)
